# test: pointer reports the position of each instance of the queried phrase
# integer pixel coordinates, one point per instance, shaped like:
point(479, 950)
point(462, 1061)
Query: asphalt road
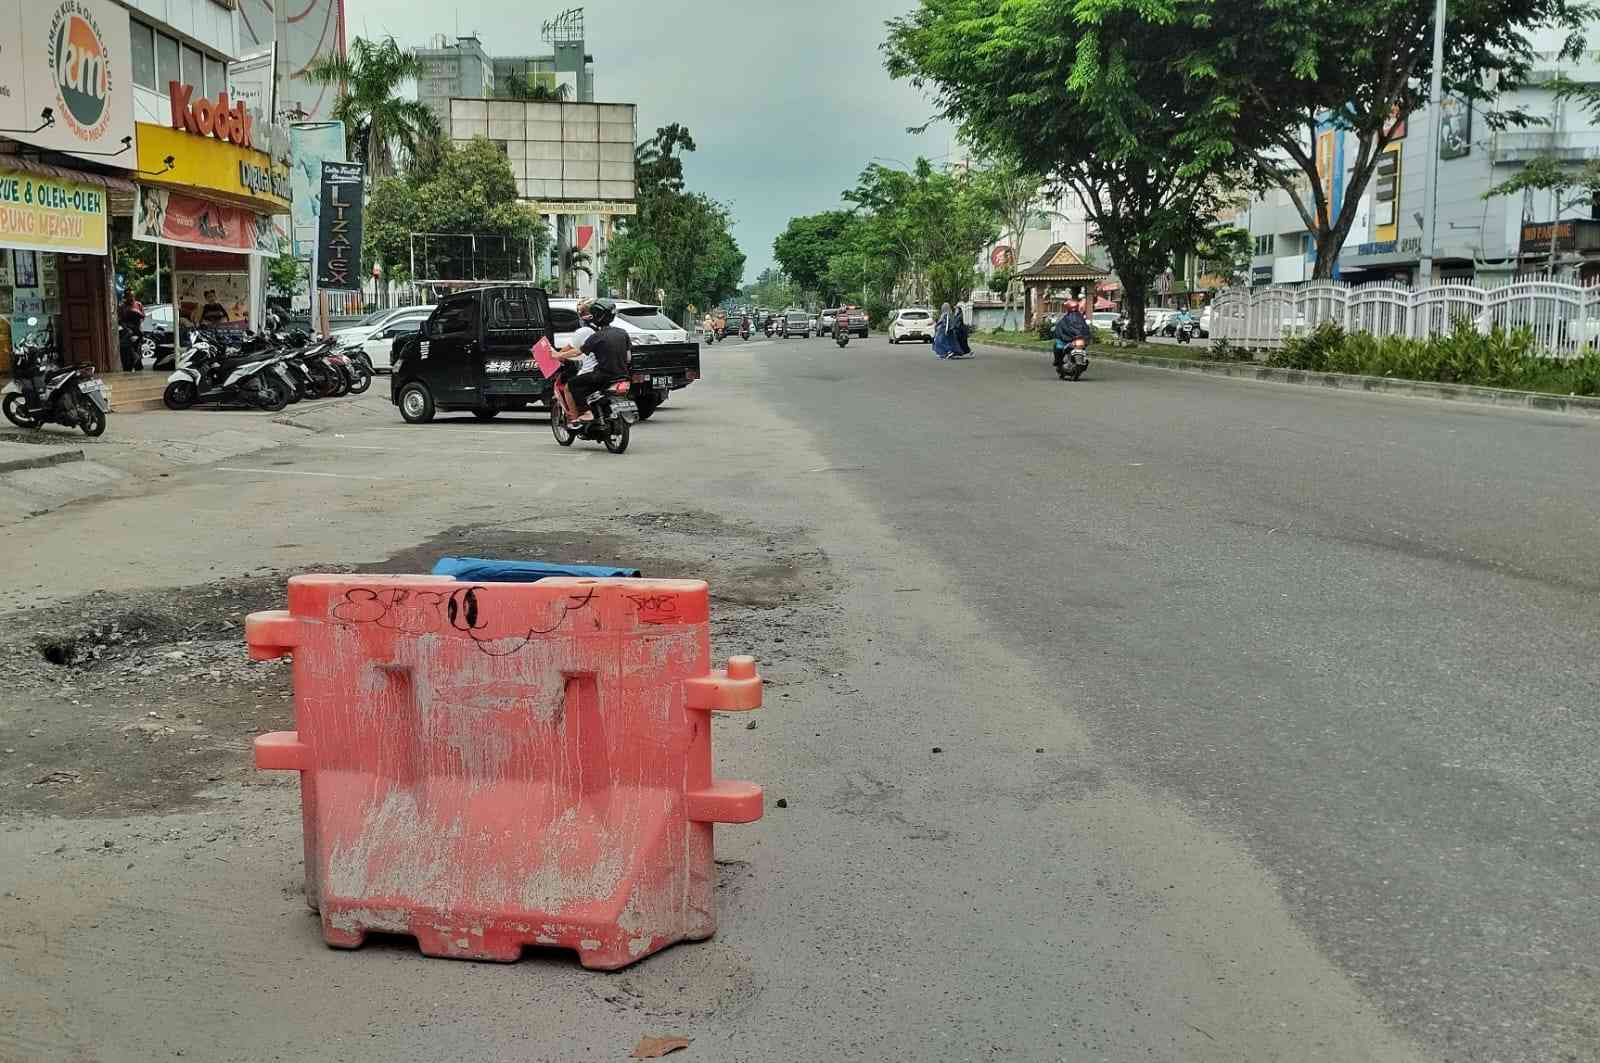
point(1148, 717)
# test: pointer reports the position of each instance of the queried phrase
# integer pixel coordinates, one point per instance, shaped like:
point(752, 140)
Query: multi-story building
point(1476, 235)
point(462, 69)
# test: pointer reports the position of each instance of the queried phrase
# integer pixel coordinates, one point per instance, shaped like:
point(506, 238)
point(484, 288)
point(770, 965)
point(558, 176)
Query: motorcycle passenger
point(1070, 326)
point(600, 362)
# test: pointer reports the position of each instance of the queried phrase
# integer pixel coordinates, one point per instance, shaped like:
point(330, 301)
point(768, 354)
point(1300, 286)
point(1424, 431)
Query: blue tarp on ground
point(481, 570)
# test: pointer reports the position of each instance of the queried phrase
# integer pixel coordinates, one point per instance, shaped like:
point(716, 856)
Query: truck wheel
point(416, 405)
point(647, 406)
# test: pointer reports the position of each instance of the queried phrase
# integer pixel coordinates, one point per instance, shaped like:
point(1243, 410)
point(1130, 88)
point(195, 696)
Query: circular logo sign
point(1001, 256)
point(80, 67)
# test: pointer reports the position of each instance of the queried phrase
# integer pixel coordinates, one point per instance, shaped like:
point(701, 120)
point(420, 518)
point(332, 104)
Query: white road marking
point(394, 450)
point(301, 472)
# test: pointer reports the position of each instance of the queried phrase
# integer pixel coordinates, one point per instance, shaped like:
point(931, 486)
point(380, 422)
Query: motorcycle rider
point(1070, 326)
point(601, 361)
point(1184, 317)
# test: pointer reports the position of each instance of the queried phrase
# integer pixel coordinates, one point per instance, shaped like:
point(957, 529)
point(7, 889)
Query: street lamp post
point(1435, 92)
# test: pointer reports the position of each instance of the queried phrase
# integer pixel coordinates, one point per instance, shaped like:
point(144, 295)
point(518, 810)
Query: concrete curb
point(41, 461)
point(1576, 405)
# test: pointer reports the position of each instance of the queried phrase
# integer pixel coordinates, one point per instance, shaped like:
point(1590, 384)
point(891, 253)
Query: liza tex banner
point(164, 217)
point(339, 226)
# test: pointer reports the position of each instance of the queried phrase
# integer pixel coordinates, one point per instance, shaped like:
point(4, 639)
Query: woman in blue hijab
point(944, 344)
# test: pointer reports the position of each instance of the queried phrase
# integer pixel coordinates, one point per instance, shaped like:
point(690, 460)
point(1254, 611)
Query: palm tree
point(518, 87)
point(375, 118)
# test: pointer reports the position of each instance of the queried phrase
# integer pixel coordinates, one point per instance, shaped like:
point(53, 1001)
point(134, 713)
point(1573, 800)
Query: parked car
point(377, 332)
point(160, 327)
point(1156, 321)
point(1105, 320)
point(911, 323)
point(825, 320)
point(1205, 323)
point(380, 346)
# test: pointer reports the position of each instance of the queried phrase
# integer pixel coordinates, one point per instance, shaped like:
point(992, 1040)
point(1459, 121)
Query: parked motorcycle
point(134, 346)
point(1074, 361)
point(357, 368)
point(45, 392)
point(614, 410)
point(207, 373)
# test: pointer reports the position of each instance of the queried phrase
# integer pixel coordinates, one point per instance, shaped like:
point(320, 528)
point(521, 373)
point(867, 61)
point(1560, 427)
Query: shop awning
point(113, 184)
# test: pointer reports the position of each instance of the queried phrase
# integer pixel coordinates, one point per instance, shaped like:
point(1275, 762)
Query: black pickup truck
point(476, 353)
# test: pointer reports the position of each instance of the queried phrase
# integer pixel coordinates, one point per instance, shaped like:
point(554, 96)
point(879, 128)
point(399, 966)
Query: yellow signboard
point(213, 168)
point(51, 214)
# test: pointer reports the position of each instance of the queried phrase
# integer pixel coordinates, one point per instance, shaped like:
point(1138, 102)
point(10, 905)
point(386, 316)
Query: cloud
point(786, 102)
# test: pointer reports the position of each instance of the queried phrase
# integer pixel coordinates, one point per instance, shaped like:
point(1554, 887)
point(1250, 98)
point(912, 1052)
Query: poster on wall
point(5, 268)
point(311, 145)
point(26, 269)
point(71, 56)
point(220, 300)
point(164, 217)
point(339, 227)
point(1455, 127)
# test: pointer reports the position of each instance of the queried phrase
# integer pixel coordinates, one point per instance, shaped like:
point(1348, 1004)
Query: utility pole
point(1435, 92)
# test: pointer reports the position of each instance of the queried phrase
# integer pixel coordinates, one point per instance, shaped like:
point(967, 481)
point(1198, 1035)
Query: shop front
point(214, 188)
point(66, 144)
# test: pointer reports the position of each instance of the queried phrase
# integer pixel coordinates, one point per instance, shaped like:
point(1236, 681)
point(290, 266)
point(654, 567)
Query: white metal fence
point(1564, 317)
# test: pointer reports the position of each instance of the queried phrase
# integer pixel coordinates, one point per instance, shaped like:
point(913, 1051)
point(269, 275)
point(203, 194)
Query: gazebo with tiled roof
point(1060, 267)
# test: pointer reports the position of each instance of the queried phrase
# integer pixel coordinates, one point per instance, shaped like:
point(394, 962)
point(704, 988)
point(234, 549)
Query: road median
point(1504, 398)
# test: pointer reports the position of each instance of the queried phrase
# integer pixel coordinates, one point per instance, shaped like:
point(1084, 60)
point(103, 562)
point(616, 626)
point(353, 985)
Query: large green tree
point(467, 188)
point(376, 117)
point(1284, 72)
point(1110, 118)
point(680, 241)
point(808, 243)
point(926, 226)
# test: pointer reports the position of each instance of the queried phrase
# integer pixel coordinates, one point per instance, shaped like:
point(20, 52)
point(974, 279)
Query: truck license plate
point(661, 381)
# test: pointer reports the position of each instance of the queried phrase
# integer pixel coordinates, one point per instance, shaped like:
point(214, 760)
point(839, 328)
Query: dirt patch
point(134, 702)
point(141, 702)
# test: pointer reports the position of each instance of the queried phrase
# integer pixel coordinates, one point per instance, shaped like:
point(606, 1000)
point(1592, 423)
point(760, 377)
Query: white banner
point(250, 80)
point(75, 61)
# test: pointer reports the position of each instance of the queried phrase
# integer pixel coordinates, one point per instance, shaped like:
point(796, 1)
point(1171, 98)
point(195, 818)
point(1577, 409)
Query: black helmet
point(604, 311)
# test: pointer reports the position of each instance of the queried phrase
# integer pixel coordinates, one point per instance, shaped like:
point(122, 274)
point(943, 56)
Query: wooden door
point(85, 311)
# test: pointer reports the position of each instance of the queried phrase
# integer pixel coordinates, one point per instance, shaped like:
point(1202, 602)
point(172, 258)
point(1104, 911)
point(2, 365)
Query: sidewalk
point(44, 469)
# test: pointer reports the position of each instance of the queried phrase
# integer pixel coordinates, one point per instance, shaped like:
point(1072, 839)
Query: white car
point(645, 323)
point(1156, 320)
point(377, 333)
point(911, 323)
point(1104, 320)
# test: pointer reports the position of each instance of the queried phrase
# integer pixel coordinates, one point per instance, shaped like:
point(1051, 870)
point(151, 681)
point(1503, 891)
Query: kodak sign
point(211, 118)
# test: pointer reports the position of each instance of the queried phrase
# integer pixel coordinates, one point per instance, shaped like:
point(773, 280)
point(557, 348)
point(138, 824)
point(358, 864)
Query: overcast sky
point(786, 101)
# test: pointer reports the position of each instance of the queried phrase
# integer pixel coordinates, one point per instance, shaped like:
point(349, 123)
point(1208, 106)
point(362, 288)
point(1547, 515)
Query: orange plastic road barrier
point(488, 766)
